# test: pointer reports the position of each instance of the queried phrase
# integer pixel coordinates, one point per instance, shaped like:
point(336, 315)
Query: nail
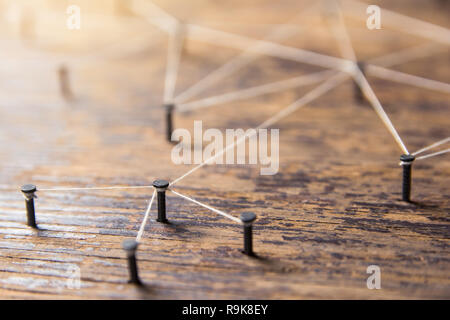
point(28, 191)
point(130, 246)
point(359, 95)
point(247, 219)
point(64, 85)
point(161, 187)
point(406, 162)
point(169, 120)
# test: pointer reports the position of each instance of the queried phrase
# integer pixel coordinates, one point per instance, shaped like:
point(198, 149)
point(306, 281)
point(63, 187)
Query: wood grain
point(332, 210)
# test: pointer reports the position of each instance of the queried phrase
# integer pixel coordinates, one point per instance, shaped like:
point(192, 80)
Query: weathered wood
point(333, 209)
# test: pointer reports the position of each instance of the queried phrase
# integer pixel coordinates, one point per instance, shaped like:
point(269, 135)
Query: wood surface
point(332, 210)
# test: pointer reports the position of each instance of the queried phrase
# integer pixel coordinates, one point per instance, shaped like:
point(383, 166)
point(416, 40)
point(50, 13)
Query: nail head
point(28, 188)
point(407, 158)
point(161, 184)
point(130, 245)
point(248, 217)
point(169, 107)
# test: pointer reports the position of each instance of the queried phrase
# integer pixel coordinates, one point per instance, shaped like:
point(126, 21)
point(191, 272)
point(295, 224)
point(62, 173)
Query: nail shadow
point(144, 289)
point(257, 257)
point(38, 229)
point(424, 205)
point(179, 230)
point(273, 265)
point(171, 142)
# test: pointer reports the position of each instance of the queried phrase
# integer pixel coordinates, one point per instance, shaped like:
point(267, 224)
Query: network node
point(247, 219)
point(359, 95)
point(64, 83)
point(170, 107)
point(28, 191)
point(406, 162)
point(130, 246)
point(161, 187)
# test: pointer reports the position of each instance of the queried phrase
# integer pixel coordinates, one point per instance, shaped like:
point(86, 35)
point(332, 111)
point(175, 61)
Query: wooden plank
point(332, 210)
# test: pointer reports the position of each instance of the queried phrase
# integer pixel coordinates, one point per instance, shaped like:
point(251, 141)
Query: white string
point(255, 91)
point(223, 71)
point(370, 95)
point(407, 55)
point(310, 96)
point(377, 71)
point(211, 35)
point(402, 22)
point(174, 51)
point(340, 32)
point(226, 215)
point(266, 47)
point(431, 146)
point(362, 81)
point(277, 33)
point(433, 154)
point(95, 188)
point(147, 212)
point(401, 77)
